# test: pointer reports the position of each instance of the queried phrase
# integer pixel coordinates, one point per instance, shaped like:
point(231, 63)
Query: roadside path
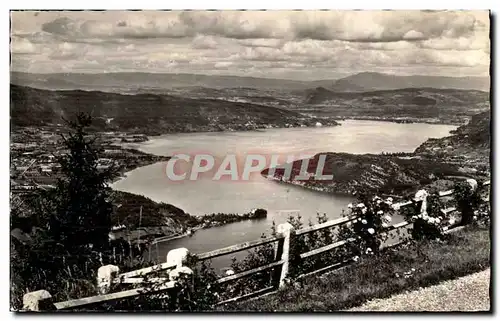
point(468, 293)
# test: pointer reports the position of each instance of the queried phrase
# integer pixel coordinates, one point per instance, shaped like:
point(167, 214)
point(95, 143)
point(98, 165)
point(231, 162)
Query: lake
point(205, 196)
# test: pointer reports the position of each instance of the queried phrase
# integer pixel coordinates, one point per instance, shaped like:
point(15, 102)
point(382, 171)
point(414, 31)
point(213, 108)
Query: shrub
point(468, 200)
point(370, 227)
point(429, 222)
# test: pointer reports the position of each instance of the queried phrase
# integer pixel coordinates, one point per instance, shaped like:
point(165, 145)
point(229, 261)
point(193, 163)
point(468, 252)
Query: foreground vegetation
point(407, 267)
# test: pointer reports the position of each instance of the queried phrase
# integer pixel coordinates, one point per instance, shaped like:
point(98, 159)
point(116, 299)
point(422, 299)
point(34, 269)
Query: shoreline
point(400, 120)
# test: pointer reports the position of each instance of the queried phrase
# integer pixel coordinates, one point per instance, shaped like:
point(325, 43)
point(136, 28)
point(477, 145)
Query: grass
point(408, 267)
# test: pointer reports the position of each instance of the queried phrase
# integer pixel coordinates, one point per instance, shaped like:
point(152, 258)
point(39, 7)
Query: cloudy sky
point(281, 44)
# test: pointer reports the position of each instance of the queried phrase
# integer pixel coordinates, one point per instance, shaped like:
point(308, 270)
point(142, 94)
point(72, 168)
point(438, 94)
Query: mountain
point(147, 82)
point(134, 81)
point(370, 81)
point(146, 113)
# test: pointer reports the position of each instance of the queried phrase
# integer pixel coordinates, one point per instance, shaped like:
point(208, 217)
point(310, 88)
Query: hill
point(436, 162)
point(424, 96)
point(469, 145)
point(444, 105)
point(146, 113)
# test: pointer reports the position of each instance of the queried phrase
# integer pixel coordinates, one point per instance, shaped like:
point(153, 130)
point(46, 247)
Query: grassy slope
point(463, 253)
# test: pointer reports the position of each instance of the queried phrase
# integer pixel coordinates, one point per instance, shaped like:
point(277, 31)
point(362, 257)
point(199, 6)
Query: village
point(35, 151)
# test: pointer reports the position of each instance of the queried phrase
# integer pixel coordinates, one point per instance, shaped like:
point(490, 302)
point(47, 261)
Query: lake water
point(205, 196)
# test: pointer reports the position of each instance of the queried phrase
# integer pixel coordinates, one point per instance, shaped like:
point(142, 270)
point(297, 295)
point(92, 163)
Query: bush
point(468, 200)
point(429, 222)
point(370, 227)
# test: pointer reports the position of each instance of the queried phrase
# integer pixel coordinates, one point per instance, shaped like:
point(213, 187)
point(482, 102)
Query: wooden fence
point(174, 267)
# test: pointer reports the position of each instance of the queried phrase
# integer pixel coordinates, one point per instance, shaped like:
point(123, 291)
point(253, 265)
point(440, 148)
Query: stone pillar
point(37, 301)
point(421, 195)
point(105, 276)
point(177, 256)
point(287, 231)
point(473, 184)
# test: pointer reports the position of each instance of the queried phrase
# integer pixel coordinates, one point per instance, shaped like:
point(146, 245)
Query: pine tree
point(82, 213)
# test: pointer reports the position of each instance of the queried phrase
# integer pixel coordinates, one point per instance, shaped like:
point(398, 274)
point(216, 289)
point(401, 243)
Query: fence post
point(37, 301)
point(287, 231)
point(473, 184)
point(182, 275)
point(105, 276)
point(177, 256)
point(421, 195)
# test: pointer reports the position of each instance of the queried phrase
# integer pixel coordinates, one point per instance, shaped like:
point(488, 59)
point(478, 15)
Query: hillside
point(390, 174)
point(435, 162)
point(146, 113)
point(445, 105)
point(469, 145)
point(424, 96)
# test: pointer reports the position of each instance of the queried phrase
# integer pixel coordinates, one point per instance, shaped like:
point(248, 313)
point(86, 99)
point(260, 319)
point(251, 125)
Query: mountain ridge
point(146, 113)
point(364, 81)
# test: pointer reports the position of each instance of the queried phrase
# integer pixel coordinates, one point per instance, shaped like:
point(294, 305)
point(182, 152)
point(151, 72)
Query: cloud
point(262, 42)
point(354, 26)
point(22, 46)
point(312, 42)
point(68, 51)
point(61, 26)
point(383, 26)
point(138, 28)
point(204, 42)
point(223, 64)
point(413, 35)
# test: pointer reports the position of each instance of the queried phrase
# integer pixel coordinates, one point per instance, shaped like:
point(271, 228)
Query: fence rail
point(250, 272)
point(328, 224)
point(79, 303)
point(174, 266)
point(237, 248)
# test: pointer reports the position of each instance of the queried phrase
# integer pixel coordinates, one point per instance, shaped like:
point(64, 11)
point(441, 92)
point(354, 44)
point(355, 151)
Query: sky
point(305, 45)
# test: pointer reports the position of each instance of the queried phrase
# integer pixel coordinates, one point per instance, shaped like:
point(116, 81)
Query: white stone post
point(421, 195)
point(178, 256)
point(37, 300)
point(473, 184)
point(105, 276)
point(287, 231)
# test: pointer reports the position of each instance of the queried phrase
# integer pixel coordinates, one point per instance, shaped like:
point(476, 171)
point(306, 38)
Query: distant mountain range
point(370, 81)
point(133, 82)
point(393, 97)
point(162, 103)
point(146, 113)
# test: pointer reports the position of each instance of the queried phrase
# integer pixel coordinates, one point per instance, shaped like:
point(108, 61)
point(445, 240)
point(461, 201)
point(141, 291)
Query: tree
point(67, 219)
point(82, 209)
